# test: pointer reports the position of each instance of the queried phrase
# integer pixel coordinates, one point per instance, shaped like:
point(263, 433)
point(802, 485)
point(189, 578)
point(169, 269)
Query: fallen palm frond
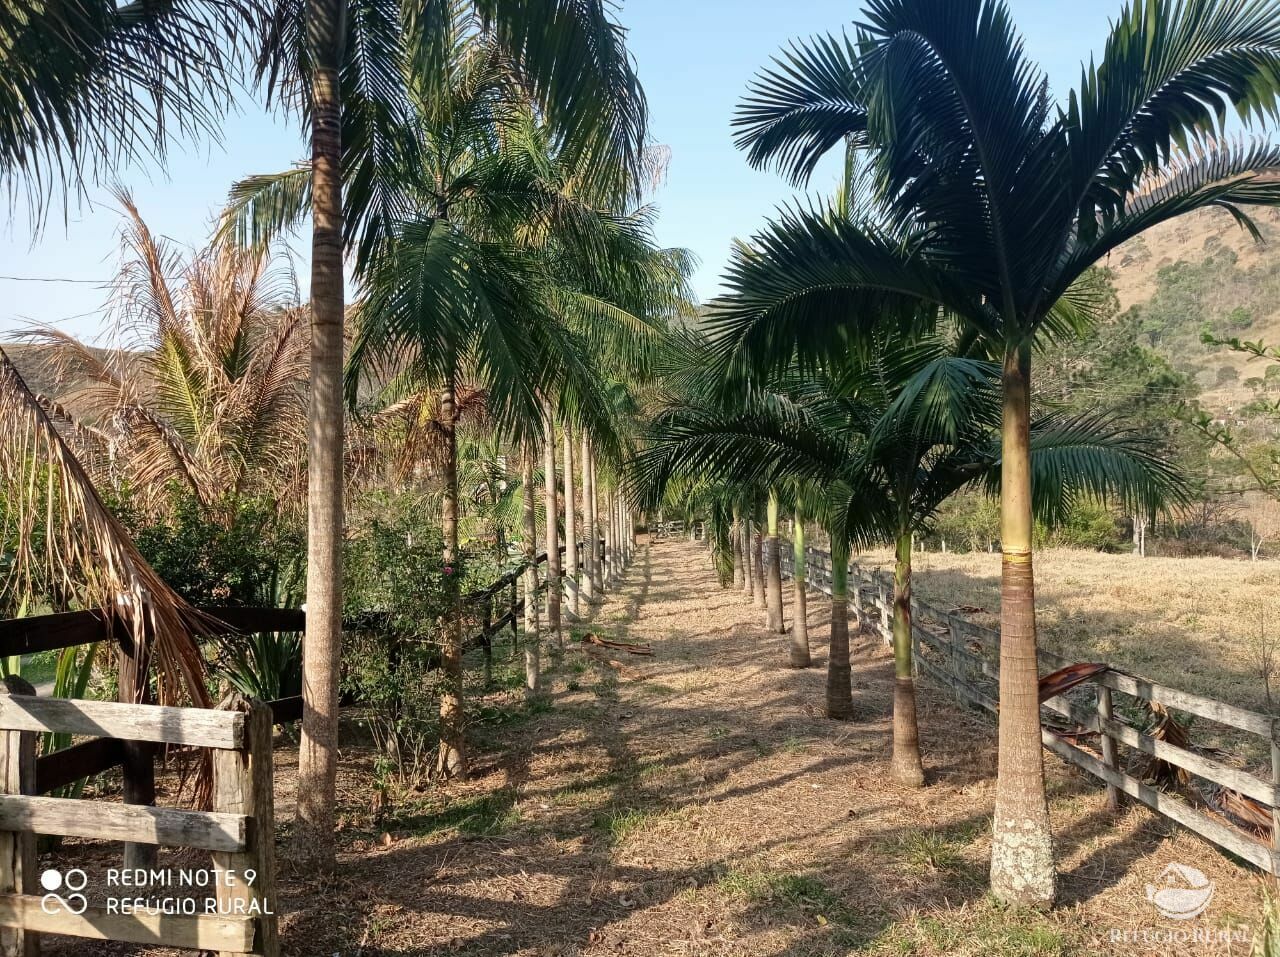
point(591, 638)
point(1169, 729)
point(62, 539)
point(1064, 679)
point(1245, 810)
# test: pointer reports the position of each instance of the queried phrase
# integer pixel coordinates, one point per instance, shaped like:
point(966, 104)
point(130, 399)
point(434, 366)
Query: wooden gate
point(239, 831)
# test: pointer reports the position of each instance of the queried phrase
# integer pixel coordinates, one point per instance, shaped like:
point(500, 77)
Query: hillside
point(1200, 271)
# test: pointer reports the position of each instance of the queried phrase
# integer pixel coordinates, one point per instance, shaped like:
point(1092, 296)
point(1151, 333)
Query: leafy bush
point(395, 595)
point(246, 555)
point(1089, 525)
point(267, 666)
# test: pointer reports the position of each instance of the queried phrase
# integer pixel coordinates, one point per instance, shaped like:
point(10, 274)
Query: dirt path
point(699, 803)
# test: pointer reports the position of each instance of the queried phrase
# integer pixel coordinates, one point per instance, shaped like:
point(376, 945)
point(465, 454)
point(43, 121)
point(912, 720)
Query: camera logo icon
point(72, 882)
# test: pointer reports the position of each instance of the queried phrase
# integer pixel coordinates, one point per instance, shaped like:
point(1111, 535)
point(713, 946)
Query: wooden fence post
point(139, 766)
point(242, 784)
point(1275, 800)
point(957, 658)
point(17, 848)
point(1109, 747)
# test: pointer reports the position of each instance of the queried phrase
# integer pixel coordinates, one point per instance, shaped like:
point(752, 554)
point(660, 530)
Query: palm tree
point(1013, 200)
point(93, 84)
point(206, 386)
point(773, 569)
point(358, 65)
point(800, 657)
point(891, 435)
point(532, 629)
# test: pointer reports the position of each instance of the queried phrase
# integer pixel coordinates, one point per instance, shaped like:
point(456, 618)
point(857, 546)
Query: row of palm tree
point(92, 82)
point(986, 204)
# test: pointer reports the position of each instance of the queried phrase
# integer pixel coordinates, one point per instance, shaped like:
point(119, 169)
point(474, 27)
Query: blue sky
point(695, 59)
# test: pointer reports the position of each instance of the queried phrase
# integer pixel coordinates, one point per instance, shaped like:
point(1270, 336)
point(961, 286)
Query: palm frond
point(64, 536)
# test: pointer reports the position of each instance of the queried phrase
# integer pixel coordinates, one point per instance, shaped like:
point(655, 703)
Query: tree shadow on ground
point(698, 802)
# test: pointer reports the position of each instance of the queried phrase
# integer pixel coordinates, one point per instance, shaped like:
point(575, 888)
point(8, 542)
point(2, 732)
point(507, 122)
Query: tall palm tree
point(358, 64)
point(1015, 198)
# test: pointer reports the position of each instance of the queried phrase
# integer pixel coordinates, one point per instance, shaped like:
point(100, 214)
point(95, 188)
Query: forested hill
point(1202, 271)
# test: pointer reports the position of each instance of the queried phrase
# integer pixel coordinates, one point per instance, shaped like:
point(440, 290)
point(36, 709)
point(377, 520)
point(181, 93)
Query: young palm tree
point(890, 436)
point(1016, 199)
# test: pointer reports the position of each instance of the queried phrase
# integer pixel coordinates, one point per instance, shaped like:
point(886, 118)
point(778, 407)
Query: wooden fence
point(1227, 802)
point(239, 832)
point(492, 609)
point(125, 735)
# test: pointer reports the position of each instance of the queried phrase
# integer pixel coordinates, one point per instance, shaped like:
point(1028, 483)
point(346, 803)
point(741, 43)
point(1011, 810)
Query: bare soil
point(698, 802)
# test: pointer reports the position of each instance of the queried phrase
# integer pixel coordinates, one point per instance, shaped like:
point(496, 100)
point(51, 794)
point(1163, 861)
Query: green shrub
point(247, 554)
point(396, 596)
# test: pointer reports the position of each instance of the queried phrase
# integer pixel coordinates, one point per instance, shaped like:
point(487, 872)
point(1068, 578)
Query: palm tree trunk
point(839, 676)
point(451, 761)
point(757, 570)
point(588, 525)
point(622, 531)
point(597, 559)
point(1022, 870)
point(570, 530)
point(551, 507)
point(610, 539)
point(735, 543)
point(773, 570)
point(906, 767)
point(800, 657)
point(322, 642)
point(532, 650)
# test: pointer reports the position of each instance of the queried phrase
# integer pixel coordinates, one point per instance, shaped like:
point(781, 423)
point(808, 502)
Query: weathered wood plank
point(123, 822)
point(1237, 842)
point(192, 932)
point(81, 760)
point(199, 727)
point(25, 636)
point(969, 692)
point(1197, 764)
point(1217, 711)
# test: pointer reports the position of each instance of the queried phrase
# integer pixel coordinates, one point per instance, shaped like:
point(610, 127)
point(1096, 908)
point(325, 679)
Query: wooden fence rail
point(1226, 801)
point(239, 831)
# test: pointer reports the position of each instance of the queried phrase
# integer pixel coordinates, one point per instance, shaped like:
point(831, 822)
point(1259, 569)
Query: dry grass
point(698, 803)
point(1198, 624)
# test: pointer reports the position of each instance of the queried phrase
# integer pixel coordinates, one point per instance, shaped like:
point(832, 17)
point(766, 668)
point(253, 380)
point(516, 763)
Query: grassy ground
point(699, 803)
point(1199, 624)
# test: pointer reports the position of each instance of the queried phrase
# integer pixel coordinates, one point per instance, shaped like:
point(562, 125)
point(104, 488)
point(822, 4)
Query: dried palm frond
point(1064, 679)
point(1169, 729)
point(63, 537)
point(206, 387)
point(413, 424)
